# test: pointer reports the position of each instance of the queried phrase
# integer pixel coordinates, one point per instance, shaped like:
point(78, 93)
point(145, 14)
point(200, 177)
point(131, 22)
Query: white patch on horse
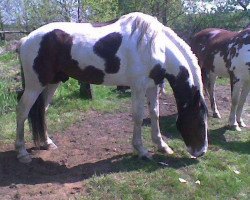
point(230, 45)
point(245, 36)
point(241, 69)
point(203, 49)
point(214, 33)
point(220, 65)
point(141, 43)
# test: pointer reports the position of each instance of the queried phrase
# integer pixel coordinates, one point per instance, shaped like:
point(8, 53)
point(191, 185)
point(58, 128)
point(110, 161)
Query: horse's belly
point(116, 79)
point(220, 66)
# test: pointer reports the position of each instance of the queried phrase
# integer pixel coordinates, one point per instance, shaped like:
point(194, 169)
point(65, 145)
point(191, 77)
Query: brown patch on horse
point(106, 48)
point(157, 74)
point(206, 44)
point(191, 108)
point(248, 64)
point(233, 80)
point(54, 62)
point(90, 74)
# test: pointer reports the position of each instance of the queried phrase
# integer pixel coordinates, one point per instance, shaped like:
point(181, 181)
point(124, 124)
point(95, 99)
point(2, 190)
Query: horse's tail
point(18, 46)
point(205, 79)
point(36, 116)
point(37, 120)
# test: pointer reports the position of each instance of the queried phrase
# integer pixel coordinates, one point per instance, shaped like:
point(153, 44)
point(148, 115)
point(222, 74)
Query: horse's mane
point(150, 27)
point(146, 25)
point(188, 54)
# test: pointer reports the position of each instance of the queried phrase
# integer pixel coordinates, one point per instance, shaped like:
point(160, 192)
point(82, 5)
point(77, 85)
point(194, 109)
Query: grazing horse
point(135, 50)
point(225, 53)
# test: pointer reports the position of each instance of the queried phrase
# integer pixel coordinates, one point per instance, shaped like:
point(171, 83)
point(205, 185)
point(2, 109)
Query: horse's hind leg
point(138, 99)
point(153, 105)
point(48, 94)
point(27, 100)
point(233, 124)
point(210, 88)
point(243, 96)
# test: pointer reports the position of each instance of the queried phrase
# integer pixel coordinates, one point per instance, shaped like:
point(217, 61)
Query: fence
point(4, 33)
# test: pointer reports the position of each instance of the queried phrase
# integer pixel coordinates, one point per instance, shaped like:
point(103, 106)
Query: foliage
point(100, 11)
point(185, 17)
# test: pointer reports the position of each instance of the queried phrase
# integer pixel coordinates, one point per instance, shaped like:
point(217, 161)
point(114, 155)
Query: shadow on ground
point(40, 171)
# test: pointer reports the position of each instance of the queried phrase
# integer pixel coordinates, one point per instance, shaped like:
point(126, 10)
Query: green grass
point(132, 178)
point(138, 179)
point(222, 81)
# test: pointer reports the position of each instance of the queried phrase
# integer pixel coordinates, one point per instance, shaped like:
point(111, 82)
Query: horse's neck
point(182, 86)
point(184, 55)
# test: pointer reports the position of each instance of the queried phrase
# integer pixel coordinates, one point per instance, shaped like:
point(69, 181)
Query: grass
point(132, 178)
point(217, 171)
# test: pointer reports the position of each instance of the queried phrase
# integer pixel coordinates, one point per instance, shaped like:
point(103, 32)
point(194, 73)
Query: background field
point(95, 160)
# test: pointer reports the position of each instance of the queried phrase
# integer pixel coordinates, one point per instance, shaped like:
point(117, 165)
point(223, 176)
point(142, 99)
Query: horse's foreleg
point(48, 94)
point(243, 96)
point(162, 88)
point(153, 105)
point(210, 87)
point(27, 100)
point(138, 99)
point(233, 124)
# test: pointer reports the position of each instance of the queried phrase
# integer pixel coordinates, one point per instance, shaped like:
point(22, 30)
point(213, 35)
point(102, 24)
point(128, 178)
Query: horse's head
point(192, 124)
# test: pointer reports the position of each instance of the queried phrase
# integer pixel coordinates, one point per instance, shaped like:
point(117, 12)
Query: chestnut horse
point(225, 53)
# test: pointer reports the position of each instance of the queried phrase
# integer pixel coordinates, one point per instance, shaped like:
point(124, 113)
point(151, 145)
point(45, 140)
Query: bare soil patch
point(93, 146)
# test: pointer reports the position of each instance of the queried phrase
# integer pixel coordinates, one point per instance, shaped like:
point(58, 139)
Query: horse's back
point(100, 55)
point(222, 51)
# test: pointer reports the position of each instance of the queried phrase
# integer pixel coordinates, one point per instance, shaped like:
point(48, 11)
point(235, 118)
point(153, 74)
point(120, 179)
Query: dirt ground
point(89, 147)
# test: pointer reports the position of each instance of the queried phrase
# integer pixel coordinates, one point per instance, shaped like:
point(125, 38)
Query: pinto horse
point(137, 51)
point(225, 53)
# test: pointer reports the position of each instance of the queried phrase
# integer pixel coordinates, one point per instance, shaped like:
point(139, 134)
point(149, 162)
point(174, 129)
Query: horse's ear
point(196, 99)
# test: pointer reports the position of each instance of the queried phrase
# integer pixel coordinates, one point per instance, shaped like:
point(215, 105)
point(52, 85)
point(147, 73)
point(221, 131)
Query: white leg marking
point(235, 100)
point(152, 95)
point(211, 84)
point(48, 94)
point(162, 88)
point(243, 96)
point(27, 100)
point(138, 99)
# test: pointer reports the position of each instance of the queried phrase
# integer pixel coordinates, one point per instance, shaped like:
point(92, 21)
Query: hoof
point(166, 150)
point(234, 127)
point(24, 158)
point(50, 146)
point(146, 157)
point(242, 124)
point(217, 115)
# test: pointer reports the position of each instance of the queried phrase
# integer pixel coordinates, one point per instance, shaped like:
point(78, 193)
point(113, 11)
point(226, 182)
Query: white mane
point(146, 25)
point(149, 27)
point(189, 56)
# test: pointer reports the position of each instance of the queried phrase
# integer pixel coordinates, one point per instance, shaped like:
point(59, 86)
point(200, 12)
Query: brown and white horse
point(136, 51)
point(225, 53)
